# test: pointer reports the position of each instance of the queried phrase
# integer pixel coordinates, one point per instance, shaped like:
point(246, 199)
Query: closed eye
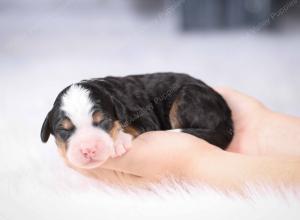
point(105, 124)
point(65, 129)
point(65, 133)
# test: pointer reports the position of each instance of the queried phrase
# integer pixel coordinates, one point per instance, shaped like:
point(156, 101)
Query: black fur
point(144, 102)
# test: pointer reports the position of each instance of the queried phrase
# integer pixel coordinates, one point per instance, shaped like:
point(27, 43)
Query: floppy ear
point(46, 130)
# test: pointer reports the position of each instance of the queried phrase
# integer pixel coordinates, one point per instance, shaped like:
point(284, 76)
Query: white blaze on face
point(77, 105)
point(89, 146)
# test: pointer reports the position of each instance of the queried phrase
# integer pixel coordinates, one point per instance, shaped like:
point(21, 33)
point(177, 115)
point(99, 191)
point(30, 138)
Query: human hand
point(258, 130)
point(160, 154)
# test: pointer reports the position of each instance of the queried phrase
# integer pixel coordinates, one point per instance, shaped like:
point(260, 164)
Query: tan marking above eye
point(97, 117)
point(67, 124)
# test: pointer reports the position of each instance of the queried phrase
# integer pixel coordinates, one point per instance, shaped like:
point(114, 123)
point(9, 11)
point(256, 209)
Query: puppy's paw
point(122, 144)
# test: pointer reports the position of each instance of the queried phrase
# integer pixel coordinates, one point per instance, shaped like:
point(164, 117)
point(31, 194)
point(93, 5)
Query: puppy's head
point(84, 122)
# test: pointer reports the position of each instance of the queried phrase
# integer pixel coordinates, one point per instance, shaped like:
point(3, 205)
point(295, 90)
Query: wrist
point(231, 171)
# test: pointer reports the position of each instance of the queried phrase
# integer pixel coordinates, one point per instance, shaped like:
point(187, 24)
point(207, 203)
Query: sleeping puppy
point(96, 119)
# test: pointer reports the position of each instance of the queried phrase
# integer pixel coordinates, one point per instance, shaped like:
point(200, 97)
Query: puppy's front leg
point(122, 143)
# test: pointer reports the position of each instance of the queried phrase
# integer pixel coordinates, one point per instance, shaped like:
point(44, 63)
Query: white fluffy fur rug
point(35, 184)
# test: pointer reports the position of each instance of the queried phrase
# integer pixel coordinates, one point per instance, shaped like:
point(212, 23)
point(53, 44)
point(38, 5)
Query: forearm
point(230, 171)
point(157, 155)
point(281, 135)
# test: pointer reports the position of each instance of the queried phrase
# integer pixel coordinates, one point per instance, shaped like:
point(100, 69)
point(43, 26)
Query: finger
point(114, 177)
point(229, 93)
point(232, 95)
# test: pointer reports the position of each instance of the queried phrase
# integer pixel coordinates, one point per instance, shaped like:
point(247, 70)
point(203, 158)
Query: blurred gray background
point(250, 45)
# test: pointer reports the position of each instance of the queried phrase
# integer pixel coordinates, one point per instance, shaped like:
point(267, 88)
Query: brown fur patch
point(62, 148)
point(118, 127)
point(132, 131)
point(115, 130)
point(173, 115)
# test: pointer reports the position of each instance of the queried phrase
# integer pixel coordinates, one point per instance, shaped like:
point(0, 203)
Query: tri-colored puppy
point(96, 119)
